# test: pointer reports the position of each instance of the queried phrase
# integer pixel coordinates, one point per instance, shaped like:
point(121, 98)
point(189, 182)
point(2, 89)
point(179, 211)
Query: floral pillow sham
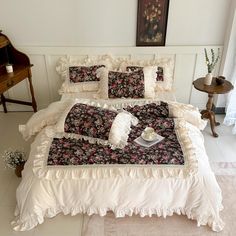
point(126, 85)
point(79, 74)
point(97, 124)
point(159, 72)
point(137, 84)
point(164, 71)
point(81, 79)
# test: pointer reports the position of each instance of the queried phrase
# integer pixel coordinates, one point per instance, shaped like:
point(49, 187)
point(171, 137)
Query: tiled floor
point(221, 149)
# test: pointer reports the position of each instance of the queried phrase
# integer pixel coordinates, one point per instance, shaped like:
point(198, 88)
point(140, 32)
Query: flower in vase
point(13, 159)
point(214, 59)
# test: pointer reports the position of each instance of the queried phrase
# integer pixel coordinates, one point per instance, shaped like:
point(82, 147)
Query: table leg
point(209, 114)
point(3, 101)
point(34, 105)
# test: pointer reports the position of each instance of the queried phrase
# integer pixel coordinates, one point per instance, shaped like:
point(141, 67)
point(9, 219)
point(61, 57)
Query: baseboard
point(218, 110)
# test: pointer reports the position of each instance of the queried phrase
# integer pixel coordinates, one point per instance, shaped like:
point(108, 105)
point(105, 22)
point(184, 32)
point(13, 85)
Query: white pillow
point(77, 111)
point(168, 70)
point(149, 73)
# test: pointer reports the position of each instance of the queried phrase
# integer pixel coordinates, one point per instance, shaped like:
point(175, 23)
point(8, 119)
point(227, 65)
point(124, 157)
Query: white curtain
point(230, 118)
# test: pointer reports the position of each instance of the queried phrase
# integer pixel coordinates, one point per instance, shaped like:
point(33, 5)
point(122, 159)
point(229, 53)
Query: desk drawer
point(13, 80)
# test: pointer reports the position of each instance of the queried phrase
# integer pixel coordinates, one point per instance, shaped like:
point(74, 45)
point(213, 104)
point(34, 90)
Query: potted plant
point(15, 160)
point(210, 65)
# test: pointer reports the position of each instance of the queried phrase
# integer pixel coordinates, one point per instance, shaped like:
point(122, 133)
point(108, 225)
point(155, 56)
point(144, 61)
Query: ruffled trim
point(207, 218)
point(190, 159)
point(43, 118)
point(68, 87)
point(121, 128)
point(102, 74)
point(149, 81)
point(187, 112)
point(190, 167)
point(65, 62)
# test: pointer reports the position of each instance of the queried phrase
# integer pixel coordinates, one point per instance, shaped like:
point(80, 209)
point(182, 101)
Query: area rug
point(171, 226)
point(224, 168)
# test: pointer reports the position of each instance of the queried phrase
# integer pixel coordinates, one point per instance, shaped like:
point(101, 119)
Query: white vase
point(208, 79)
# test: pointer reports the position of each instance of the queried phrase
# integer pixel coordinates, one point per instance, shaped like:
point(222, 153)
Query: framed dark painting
point(151, 22)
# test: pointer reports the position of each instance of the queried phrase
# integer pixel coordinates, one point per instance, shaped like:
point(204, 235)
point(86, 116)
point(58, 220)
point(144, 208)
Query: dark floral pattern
point(126, 85)
point(65, 151)
point(83, 73)
point(151, 110)
point(89, 121)
point(159, 72)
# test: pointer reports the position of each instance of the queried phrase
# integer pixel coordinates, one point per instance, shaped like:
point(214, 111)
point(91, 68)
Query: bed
point(91, 164)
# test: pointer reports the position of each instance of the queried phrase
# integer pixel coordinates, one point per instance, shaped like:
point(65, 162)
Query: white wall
point(108, 22)
point(31, 24)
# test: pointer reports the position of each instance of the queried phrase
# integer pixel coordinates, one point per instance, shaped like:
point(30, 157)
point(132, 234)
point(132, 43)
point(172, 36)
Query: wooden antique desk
point(212, 89)
point(21, 70)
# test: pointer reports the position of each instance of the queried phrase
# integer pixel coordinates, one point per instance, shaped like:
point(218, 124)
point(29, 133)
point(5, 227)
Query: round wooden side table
point(212, 89)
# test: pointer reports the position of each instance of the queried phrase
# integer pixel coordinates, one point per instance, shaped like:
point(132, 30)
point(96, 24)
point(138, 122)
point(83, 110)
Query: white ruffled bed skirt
point(198, 198)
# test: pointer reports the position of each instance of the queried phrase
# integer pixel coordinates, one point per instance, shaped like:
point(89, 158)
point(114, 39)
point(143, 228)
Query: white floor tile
point(227, 146)
point(221, 130)
point(212, 149)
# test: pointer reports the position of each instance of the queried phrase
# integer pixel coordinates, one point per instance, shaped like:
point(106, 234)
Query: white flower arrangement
point(13, 159)
point(211, 64)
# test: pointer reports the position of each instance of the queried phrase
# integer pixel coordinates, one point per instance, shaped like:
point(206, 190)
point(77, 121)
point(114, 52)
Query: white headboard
point(189, 65)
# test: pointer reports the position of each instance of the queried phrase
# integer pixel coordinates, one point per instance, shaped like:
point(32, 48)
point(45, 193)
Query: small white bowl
point(149, 138)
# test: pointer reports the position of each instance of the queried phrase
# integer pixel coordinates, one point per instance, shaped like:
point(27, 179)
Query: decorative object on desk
point(210, 65)
point(9, 68)
point(220, 80)
point(15, 160)
point(151, 22)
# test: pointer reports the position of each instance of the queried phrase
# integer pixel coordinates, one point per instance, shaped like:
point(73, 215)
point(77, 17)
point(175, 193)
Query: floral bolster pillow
point(96, 124)
point(159, 72)
point(137, 84)
point(83, 73)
